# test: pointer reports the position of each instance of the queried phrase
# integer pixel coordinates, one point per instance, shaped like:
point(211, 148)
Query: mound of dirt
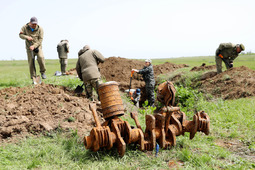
point(45, 107)
point(119, 69)
point(204, 67)
point(237, 82)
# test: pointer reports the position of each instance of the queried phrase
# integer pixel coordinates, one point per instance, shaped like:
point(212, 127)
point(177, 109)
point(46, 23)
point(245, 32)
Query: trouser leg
point(63, 63)
point(31, 64)
point(218, 61)
point(88, 89)
point(40, 60)
point(150, 94)
point(95, 83)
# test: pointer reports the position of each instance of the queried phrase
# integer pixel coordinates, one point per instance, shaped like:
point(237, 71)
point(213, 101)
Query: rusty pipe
point(135, 117)
point(92, 107)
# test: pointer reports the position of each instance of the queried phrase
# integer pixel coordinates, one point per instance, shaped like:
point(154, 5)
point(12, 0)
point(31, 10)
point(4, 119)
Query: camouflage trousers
point(218, 61)
point(31, 63)
point(149, 87)
point(63, 64)
point(89, 85)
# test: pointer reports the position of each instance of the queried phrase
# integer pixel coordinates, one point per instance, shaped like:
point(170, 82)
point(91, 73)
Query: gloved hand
point(36, 50)
point(231, 65)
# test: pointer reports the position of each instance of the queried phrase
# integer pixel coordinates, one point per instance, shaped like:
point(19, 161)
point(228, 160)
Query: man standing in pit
point(33, 36)
point(227, 52)
point(63, 49)
point(148, 77)
point(87, 69)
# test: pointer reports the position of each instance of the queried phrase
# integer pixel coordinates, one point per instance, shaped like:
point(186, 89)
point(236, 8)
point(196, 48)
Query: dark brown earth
point(204, 67)
point(237, 82)
point(45, 107)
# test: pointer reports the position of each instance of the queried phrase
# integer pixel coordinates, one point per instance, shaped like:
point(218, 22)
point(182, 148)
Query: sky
point(135, 29)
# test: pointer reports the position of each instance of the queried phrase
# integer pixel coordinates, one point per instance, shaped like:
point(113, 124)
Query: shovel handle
point(132, 72)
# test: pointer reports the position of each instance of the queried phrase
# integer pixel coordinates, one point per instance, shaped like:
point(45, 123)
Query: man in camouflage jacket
point(63, 49)
point(227, 52)
point(148, 77)
point(33, 36)
point(87, 69)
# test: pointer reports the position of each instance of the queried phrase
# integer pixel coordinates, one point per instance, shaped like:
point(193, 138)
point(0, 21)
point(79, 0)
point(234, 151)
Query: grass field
point(230, 144)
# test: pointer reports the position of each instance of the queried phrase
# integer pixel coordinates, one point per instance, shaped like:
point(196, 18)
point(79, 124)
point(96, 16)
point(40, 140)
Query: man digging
point(227, 52)
point(32, 33)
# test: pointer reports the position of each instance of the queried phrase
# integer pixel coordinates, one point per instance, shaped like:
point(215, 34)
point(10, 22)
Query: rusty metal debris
point(161, 128)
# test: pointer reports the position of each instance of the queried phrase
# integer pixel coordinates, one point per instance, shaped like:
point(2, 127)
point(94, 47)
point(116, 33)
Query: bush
point(188, 98)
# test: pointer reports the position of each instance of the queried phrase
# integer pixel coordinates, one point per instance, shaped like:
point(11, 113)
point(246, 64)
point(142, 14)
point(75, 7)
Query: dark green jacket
point(228, 51)
point(148, 74)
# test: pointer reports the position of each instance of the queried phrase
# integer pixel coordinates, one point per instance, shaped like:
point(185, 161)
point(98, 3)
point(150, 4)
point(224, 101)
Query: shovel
point(37, 78)
point(132, 72)
point(79, 89)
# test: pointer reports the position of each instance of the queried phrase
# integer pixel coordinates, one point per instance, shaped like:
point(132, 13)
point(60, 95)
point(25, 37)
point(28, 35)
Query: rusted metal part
point(150, 134)
point(200, 123)
point(110, 98)
point(166, 93)
point(135, 117)
point(161, 128)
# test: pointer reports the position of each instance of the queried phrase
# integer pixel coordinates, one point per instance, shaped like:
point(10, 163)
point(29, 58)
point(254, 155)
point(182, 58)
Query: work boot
point(43, 75)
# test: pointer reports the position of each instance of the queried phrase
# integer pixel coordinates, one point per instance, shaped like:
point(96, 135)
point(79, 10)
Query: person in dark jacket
point(87, 69)
point(148, 76)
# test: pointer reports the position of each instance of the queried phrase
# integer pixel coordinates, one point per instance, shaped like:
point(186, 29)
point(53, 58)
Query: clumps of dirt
point(72, 71)
point(204, 67)
point(237, 82)
point(45, 107)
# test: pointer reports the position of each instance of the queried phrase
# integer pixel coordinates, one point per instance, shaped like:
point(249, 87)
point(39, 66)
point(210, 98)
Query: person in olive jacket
point(63, 49)
point(148, 76)
point(87, 69)
point(33, 34)
point(227, 52)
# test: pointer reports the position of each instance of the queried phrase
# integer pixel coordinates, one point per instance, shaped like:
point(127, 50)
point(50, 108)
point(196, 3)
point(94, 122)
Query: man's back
point(88, 62)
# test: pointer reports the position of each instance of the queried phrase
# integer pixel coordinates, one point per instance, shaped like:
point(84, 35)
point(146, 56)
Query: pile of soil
point(237, 82)
point(203, 67)
point(45, 107)
point(119, 70)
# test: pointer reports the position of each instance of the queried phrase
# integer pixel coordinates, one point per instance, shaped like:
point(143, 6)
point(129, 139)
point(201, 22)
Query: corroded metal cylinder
point(111, 101)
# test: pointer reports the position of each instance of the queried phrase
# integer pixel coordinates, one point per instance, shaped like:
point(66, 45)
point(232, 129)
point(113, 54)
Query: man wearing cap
point(227, 52)
point(63, 49)
point(32, 33)
point(148, 77)
point(87, 69)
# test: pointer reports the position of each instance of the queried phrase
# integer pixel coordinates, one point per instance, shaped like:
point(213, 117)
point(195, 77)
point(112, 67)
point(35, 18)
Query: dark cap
point(33, 20)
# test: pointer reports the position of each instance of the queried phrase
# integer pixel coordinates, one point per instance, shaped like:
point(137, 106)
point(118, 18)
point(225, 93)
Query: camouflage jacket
point(37, 36)
point(148, 74)
point(228, 51)
point(63, 49)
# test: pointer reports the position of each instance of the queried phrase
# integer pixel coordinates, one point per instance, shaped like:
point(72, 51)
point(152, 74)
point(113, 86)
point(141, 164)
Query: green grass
point(231, 121)
point(241, 60)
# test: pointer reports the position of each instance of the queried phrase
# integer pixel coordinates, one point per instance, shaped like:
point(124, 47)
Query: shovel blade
point(37, 80)
point(78, 89)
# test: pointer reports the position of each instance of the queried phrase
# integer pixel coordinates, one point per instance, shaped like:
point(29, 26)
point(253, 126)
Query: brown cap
point(33, 20)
